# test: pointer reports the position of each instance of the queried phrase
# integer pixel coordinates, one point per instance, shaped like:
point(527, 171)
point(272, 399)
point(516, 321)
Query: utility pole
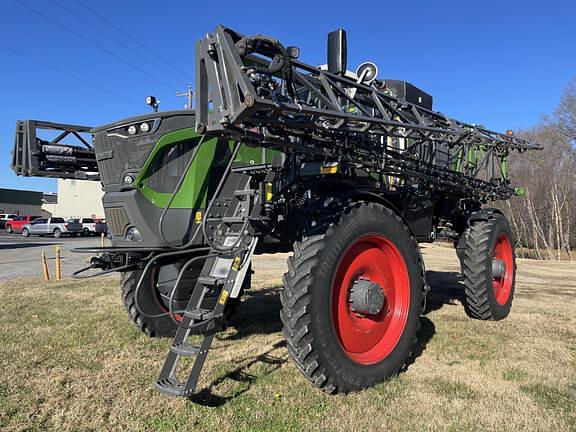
point(188, 94)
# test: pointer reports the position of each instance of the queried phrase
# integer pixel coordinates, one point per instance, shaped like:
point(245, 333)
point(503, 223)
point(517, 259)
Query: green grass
point(72, 361)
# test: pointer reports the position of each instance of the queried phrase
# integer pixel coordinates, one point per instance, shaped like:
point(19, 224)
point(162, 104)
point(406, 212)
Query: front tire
point(57, 233)
point(153, 300)
point(152, 327)
point(25, 232)
point(9, 229)
point(334, 346)
point(489, 269)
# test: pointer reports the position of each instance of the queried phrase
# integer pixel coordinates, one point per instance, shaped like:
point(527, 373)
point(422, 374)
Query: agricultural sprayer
point(347, 170)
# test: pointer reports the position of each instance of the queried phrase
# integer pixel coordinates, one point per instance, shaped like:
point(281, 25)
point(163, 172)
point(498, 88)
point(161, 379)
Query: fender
point(484, 215)
point(480, 215)
point(372, 197)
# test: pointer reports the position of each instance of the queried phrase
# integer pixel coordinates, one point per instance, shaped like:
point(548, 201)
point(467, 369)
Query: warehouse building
point(20, 202)
point(79, 198)
point(49, 204)
point(75, 198)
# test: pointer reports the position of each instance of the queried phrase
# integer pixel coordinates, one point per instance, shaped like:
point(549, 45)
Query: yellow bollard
point(101, 239)
point(45, 267)
point(58, 268)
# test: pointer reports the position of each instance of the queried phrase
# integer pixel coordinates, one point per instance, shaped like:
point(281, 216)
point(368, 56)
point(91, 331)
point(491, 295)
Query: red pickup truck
point(16, 225)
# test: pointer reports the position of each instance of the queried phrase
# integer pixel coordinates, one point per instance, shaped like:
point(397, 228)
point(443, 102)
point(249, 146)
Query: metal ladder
point(232, 244)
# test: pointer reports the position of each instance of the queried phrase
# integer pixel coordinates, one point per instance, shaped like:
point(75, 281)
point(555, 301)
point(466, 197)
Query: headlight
point(132, 130)
point(145, 127)
point(133, 235)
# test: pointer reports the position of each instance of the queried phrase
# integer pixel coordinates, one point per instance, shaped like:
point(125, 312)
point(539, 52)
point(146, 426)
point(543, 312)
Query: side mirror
point(337, 52)
point(366, 73)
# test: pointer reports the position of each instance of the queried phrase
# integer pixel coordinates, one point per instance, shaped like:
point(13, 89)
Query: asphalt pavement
point(20, 256)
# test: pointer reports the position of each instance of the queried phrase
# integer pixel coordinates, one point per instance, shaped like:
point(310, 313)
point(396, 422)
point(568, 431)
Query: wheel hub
point(498, 268)
point(366, 297)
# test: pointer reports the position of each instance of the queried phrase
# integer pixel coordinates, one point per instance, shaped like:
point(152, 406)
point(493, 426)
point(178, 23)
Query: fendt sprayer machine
point(346, 169)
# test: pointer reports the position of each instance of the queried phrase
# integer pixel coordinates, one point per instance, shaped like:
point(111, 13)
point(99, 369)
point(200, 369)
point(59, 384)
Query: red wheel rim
point(369, 339)
point(502, 286)
point(159, 300)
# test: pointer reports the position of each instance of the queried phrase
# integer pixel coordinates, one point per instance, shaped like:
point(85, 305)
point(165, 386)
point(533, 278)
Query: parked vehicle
point(16, 225)
point(105, 228)
point(90, 226)
point(55, 226)
point(100, 226)
point(4, 217)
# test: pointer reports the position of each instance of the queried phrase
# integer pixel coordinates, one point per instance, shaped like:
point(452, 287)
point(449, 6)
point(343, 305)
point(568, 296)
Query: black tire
point(85, 232)
point(307, 301)
point(9, 229)
point(152, 327)
point(150, 301)
point(25, 232)
point(483, 299)
point(57, 233)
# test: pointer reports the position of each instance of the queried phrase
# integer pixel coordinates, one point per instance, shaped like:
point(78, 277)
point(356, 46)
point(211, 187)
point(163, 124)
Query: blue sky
point(499, 63)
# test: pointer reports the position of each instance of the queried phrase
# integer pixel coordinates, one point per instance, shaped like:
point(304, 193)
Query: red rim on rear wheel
point(369, 339)
point(502, 286)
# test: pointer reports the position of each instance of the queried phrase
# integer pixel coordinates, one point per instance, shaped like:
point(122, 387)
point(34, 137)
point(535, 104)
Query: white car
point(6, 217)
point(90, 226)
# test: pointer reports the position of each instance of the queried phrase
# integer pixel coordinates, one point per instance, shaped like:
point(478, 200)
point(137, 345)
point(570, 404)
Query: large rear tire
point(339, 349)
point(489, 269)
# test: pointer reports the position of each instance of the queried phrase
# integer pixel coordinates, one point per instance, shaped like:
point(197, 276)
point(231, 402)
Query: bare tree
point(542, 220)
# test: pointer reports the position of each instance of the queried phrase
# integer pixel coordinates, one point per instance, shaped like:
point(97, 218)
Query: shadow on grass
point(259, 313)
point(207, 397)
point(425, 334)
point(445, 288)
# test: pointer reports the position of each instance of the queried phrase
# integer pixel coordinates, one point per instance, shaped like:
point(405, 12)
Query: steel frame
point(310, 111)
point(28, 158)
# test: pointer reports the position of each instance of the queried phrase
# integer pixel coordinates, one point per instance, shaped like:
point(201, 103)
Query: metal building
point(79, 198)
point(49, 204)
point(20, 202)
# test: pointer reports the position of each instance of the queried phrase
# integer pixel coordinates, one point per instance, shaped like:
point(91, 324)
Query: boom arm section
point(51, 157)
point(255, 88)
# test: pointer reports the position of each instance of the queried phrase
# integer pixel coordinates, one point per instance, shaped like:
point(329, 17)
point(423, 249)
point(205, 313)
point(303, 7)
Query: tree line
point(544, 219)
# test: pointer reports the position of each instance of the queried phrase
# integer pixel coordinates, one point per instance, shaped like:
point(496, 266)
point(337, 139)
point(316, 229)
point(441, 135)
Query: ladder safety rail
point(255, 89)
point(232, 244)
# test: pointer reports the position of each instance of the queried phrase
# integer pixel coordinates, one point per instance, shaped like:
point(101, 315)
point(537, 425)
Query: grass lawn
point(72, 361)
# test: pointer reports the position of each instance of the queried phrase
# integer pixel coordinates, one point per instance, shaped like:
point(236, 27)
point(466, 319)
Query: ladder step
point(199, 314)
point(184, 349)
point(211, 281)
point(227, 219)
point(170, 386)
point(233, 219)
point(246, 192)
